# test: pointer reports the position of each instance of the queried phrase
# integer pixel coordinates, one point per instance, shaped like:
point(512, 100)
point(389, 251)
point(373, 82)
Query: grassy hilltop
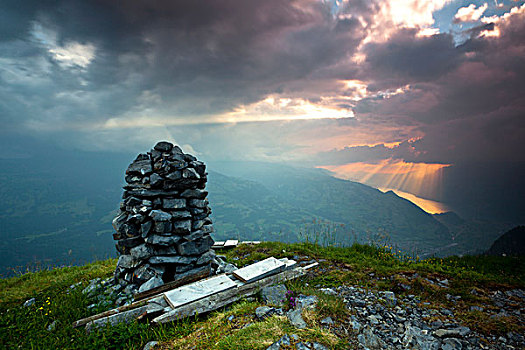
point(366, 266)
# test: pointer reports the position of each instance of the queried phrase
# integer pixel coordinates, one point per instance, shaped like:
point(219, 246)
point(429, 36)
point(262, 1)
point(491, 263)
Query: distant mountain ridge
point(511, 242)
point(363, 210)
point(58, 210)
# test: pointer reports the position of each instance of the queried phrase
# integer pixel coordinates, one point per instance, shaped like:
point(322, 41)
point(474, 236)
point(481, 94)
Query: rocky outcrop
point(163, 226)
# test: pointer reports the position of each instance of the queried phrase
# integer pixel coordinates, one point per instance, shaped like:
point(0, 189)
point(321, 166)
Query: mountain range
point(58, 210)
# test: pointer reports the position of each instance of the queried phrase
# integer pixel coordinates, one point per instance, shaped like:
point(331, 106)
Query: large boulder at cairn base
point(162, 230)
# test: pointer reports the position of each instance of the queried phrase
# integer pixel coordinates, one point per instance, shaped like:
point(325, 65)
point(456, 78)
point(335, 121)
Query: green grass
point(26, 327)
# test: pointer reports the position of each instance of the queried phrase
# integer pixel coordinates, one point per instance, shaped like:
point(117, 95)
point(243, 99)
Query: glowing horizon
point(428, 205)
point(418, 182)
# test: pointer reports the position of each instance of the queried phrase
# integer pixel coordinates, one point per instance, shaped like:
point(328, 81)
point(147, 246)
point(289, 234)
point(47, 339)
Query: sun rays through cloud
point(417, 182)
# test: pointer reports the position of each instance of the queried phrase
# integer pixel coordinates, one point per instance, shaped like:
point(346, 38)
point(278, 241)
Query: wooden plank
point(289, 263)
point(171, 285)
point(259, 270)
point(141, 299)
point(231, 243)
point(218, 244)
point(111, 312)
point(216, 301)
point(198, 290)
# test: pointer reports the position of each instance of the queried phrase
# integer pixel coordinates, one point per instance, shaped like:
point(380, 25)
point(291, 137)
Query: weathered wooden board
point(198, 290)
point(289, 263)
point(172, 285)
point(216, 301)
point(259, 270)
point(231, 243)
point(121, 309)
point(218, 244)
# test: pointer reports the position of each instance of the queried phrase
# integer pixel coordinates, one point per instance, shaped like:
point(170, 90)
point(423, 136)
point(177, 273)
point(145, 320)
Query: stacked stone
point(163, 227)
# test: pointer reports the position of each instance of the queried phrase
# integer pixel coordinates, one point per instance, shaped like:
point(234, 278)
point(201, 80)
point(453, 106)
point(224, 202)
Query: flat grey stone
point(162, 227)
point(194, 193)
point(369, 340)
point(126, 262)
point(141, 252)
point(163, 146)
point(390, 298)
point(197, 224)
point(180, 215)
point(174, 203)
point(306, 301)
point(446, 333)
point(197, 203)
point(30, 302)
point(181, 227)
point(206, 257)
point(155, 180)
point(162, 240)
point(145, 228)
point(150, 284)
point(175, 175)
point(52, 326)
point(176, 259)
point(142, 167)
point(296, 319)
point(195, 247)
point(451, 344)
point(317, 346)
point(302, 346)
point(194, 236)
point(190, 173)
point(143, 273)
point(208, 229)
point(285, 341)
point(263, 312)
point(196, 271)
point(274, 295)
point(159, 215)
point(150, 345)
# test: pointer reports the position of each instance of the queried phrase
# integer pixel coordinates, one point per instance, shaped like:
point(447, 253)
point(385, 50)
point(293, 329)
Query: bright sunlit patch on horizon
point(267, 110)
point(430, 206)
point(276, 108)
point(419, 179)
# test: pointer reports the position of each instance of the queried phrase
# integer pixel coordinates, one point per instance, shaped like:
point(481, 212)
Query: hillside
point(511, 242)
point(363, 296)
point(364, 211)
point(58, 211)
point(470, 236)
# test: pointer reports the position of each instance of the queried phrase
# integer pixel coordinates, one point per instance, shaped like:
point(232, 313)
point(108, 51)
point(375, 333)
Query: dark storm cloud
point(406, 58)
point(193, 58)
point(197, 57)
point(467, 100)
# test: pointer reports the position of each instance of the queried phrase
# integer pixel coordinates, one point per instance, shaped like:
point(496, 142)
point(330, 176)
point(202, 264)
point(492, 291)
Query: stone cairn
point(163, 226)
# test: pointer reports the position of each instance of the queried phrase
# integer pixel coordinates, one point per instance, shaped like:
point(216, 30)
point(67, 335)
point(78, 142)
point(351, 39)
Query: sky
point(424, 97)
